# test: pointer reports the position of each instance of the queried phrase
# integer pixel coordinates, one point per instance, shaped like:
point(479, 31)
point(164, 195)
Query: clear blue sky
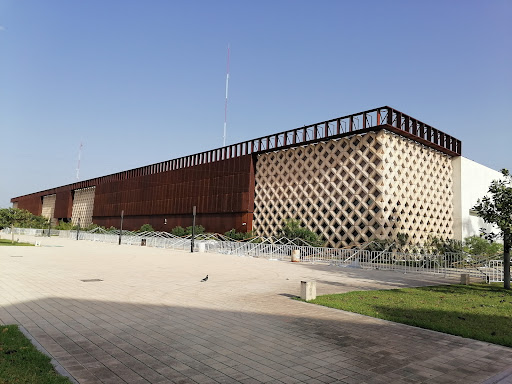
point(144, 81)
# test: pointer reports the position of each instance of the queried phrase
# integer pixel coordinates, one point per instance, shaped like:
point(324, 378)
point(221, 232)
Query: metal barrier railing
point(495, 271)
point(281, 249)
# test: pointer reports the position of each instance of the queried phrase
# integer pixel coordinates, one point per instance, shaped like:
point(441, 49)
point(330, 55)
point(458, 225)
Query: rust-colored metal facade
point(219, 182)
point(32, 202)
point(63, 203)
point(223, 193)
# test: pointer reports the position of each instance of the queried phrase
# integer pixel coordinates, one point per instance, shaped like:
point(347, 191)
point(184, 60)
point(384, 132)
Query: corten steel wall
point(32, 203)
point(223, 193)
point(63, 204)
point(218, 223)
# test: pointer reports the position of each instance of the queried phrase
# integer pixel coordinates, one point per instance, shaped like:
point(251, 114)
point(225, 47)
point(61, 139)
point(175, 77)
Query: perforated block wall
point(48, 206)
point(353, 190)
point(83, 205)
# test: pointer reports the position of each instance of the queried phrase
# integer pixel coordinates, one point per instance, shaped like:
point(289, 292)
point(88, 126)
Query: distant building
point(352, 179)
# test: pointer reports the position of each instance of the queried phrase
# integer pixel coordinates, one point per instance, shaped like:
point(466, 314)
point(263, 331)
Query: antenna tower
point(78, 166)
point(226, 103)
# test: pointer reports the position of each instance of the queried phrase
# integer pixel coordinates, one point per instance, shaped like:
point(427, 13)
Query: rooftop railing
point(359, 123)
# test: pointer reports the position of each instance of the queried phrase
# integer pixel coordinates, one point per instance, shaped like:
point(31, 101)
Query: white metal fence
point(495, 271)
point(281, 249)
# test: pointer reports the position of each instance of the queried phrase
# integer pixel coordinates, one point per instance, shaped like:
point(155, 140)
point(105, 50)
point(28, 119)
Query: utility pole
point(226, 104)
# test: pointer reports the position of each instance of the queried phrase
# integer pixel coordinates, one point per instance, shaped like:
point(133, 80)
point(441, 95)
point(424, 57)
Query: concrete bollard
point(308, 290)
point(295, 255)
point(201, 247)
point(464, 278)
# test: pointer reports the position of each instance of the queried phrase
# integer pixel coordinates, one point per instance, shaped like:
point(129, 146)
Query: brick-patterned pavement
point(151, 320)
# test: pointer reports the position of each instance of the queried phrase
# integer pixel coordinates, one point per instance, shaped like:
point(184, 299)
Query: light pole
point(121, 231)
point(193, 229)
point(78, 229)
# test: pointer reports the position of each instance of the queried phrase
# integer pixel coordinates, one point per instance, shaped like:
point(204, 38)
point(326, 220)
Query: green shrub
point(92, 226)
point(178, 231)
point(63, 226)
point(379, 245)
point(233, 234)
point(292, 229)
point(198, 230)
point(146, 228)
point(439, 246)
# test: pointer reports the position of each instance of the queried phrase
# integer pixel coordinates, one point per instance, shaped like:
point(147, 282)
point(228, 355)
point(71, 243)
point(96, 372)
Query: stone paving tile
point(151, 321)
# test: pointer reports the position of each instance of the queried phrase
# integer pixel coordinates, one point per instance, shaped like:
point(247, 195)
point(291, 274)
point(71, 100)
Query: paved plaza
point(151, 320)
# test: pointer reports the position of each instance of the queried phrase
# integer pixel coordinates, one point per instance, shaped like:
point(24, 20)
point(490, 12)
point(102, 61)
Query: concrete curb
point(501, 378)
point(59, 368)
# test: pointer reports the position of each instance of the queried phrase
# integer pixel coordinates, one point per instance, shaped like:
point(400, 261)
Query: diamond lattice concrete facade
point(356, 189)
point(350, 179)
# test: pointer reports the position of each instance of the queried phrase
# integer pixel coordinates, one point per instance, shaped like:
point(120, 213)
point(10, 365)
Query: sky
point(139, 82)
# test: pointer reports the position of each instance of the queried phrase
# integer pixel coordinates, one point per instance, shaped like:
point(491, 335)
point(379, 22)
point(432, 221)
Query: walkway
point(151, 320)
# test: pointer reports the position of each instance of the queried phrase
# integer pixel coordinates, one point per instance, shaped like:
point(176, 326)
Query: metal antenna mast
point(78, 166)
point(226, 103)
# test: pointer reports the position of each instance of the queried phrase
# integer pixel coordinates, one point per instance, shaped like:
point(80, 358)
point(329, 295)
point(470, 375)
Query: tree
point(496, 208)
point(402, 240)
point(440, 246)
point(11, 217)
point(476, 245)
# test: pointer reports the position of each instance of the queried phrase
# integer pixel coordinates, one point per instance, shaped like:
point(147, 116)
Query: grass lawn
point(477, 311)
point(21, 362)
point(8, 243)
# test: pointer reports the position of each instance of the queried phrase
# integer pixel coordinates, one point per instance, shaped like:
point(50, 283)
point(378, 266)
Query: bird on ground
point(205, 279)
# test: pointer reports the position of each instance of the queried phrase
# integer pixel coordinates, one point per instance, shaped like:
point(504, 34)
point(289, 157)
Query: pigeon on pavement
point(205, 279)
